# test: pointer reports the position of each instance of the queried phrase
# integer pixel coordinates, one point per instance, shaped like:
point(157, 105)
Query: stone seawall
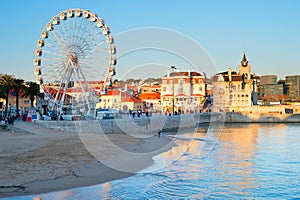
point(232, 117)
point(165, 123)
point(126, 124)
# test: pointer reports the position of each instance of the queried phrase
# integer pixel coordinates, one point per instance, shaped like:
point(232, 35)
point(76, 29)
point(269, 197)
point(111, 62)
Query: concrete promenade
point(164, 123)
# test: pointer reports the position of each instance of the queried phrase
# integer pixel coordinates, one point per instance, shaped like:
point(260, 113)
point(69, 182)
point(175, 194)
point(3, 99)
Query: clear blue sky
point(268, 30)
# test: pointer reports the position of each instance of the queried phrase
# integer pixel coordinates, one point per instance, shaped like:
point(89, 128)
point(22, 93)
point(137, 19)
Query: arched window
point(221, 91)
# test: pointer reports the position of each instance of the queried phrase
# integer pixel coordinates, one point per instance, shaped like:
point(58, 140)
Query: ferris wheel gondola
point(73, 49)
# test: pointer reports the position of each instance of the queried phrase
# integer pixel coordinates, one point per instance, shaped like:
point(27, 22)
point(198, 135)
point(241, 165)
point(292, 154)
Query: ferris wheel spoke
point(79, 31)
point(52, 58)
point(95, 45)
point(66, 34)
point(53, 64)
point(60, 41)
point(55, 74)
point(54, 47)
point(73, 27)
point(51, 53)
point(90, 33)
point(61, 37)
point(77, 26)
point(95, 35)
point(92, 47)
point(54, 40)
point(83, 32)
point(98, 50)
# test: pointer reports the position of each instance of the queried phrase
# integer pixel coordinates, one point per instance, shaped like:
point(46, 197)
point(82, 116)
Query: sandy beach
point(37, 160)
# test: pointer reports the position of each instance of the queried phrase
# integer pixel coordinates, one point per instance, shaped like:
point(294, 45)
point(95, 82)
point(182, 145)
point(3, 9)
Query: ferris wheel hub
point(74, 59)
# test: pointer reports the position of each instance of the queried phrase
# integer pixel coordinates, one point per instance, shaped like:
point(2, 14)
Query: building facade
point(119, 100)
point(268, 79)
point(235, 91)
point(269, 88)
point(293, 86)
point(182, 92)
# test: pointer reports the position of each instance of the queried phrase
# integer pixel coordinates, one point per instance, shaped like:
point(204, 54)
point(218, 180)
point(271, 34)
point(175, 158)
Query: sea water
point(247, 161)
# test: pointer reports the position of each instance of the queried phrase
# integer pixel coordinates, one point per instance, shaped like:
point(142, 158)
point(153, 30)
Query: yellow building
point(233, 91)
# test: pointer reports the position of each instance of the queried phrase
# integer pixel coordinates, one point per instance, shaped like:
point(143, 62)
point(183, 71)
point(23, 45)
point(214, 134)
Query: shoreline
point(47, 161)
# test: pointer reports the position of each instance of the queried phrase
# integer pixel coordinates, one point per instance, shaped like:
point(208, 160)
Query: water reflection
point(239, 142)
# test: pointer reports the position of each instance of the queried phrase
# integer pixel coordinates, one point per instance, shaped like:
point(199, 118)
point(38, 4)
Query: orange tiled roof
point(151, 95)
point(197, 95)
point(131, 99)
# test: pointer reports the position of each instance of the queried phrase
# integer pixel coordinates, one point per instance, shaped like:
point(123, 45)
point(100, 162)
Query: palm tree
point(18, 86)
point(2, 96)
point(32, 90)
point(6, 83)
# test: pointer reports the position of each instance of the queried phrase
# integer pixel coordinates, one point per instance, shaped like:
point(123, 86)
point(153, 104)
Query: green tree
point(2, 95)
point(6, 83)
point(18, 86)
point(32, 90)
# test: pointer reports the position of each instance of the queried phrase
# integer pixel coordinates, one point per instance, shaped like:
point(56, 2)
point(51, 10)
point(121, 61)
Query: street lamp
point(173, 99)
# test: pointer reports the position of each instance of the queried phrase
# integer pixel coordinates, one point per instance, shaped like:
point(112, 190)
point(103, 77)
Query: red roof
point(91, 82)
point(131, 99)
point(168, 95)
point(76, 90)
point(197, 95)
point(151, 95)
point(112, 93)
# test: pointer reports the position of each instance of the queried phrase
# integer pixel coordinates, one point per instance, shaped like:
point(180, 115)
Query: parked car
point(107, 113)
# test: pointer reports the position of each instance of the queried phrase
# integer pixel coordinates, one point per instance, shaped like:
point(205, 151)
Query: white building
point(183, 91)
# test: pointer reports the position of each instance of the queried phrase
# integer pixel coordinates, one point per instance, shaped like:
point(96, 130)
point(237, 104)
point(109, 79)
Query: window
point(164, 89)
point(26, 102)
point(200, 88)
point(180, 90)
point(221, 91)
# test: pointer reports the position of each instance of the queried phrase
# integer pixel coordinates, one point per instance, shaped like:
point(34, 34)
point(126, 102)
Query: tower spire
point(244, 61)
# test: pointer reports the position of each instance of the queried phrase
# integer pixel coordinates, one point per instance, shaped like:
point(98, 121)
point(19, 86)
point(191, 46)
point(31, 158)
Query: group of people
point(137, 113)
point(9, 120)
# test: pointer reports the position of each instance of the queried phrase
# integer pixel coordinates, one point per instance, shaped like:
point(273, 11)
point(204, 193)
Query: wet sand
point(36, 160)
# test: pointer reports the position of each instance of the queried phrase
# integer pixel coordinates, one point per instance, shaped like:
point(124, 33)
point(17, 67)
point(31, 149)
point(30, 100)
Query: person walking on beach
point(159, 133)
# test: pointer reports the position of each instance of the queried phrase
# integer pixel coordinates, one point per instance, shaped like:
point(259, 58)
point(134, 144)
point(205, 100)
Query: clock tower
point(245, 68)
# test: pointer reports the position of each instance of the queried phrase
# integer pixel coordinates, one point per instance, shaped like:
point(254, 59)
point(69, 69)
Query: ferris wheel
point(74, 60)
